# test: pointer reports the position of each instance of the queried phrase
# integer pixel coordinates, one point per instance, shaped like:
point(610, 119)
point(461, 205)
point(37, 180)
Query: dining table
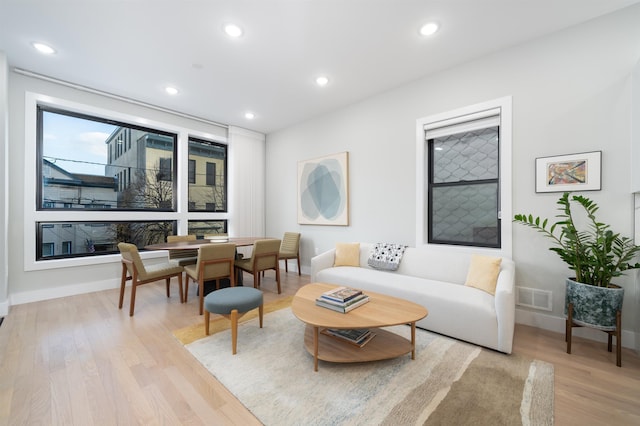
point(195, 244)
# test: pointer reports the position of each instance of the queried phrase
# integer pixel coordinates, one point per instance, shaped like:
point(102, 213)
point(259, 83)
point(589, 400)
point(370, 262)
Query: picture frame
point(323, 190)
point(570, 172)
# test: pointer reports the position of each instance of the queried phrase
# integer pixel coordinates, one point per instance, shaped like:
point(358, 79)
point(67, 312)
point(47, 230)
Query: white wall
point(26, 286)
point(4, 186)
point(571, 93)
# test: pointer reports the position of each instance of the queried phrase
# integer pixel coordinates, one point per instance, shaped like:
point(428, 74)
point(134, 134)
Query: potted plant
point(596, 255)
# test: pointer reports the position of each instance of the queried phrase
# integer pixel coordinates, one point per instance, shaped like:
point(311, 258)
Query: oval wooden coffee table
point(380, 311)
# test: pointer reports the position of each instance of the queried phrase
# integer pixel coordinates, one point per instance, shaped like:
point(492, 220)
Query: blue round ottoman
point(232, 303)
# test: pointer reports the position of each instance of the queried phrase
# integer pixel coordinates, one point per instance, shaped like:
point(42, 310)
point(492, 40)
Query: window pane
point(91, 238)
point(465, 214)
point(192, 171)
point(209, 227)
point(89, 162)
point(208, 191)
point(466, 156)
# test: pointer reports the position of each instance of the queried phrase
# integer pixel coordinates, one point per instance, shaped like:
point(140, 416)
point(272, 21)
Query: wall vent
point(534, 298)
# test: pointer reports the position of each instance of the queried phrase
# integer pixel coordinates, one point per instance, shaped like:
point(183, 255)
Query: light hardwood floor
point(80, 361)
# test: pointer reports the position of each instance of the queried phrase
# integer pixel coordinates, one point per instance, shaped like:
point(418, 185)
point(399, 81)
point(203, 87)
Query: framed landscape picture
point(572, 172)
point(323, 190)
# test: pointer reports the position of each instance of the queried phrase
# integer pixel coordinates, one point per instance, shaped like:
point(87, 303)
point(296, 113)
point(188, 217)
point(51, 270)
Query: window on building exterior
point(464, 180)
point(47, 249)
point(192, 171)
point(66, 247)
point(208, 190)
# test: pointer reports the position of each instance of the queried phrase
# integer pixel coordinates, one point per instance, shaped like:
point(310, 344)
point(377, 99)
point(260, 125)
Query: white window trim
point(450, 117)
point(182, 215)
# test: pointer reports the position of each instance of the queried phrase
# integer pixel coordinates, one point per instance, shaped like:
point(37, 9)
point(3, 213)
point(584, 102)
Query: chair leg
point(123, 281)
point(133, 297)
point(168, 280)
point(286, 266)
point(180, 288)
point(299, 270)
point(256, 280)
point(201, 294)
point(278, 279)
point(261, 313)
point(206, 322)
point(234, 331)
point(186, 287)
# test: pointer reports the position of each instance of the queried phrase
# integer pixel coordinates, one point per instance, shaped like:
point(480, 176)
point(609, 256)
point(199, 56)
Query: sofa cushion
point(483, 273)
point(347, 254)
point(386, 256)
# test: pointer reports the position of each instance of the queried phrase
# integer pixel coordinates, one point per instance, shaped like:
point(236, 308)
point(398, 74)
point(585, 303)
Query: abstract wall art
point(323, 190)
point(572, 172)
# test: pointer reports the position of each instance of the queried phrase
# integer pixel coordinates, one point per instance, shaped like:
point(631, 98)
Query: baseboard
point(558, 324)
point(57, 292)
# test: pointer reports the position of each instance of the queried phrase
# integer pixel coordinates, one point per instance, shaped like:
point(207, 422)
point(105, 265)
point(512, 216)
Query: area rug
point(449, 382)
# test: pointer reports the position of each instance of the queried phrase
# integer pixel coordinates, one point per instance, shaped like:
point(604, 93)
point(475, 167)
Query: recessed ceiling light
point(44, 48)
point(322, 81)
point(233, 30)
point(429, 28)
point(249, 115)
point(171, 90)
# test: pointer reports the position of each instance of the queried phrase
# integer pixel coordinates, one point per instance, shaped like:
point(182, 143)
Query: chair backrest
point(216, 260)
point(131, 258)
point(265, 254)
point(174, 238)
point(181, 254)
point(290, 244)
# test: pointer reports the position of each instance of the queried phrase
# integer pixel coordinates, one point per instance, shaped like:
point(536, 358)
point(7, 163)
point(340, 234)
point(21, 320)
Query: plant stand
point(616, 332)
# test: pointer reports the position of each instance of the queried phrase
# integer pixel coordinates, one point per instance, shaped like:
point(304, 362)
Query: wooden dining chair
point(182, 257)
point(263, 257)
point(290, 249)
point(134, 270)
point(215, 261)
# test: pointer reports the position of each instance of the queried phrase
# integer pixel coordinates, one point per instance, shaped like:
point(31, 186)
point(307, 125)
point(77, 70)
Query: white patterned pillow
point(386, 256)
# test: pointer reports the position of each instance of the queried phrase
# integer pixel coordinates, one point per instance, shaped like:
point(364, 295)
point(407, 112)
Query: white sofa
point(435, 279)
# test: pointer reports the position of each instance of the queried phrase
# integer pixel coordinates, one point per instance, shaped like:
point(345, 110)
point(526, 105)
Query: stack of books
point(342, 299)
point(358, 337)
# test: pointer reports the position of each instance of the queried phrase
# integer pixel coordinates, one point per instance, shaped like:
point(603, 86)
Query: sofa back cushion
point(434, 264)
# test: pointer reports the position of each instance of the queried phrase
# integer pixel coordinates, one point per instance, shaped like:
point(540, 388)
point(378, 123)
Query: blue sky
point(75, 144)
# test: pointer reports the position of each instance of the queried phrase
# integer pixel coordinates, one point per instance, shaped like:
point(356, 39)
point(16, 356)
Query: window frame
point(505, 175)
point(33, 216)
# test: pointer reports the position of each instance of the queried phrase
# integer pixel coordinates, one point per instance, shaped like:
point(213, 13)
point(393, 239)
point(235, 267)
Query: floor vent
point(534, 298)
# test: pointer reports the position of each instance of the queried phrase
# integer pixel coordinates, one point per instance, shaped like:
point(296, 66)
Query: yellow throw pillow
point(483, 273)
point(347, 254)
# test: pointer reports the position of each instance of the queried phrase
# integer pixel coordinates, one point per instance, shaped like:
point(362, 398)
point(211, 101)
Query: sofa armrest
point(506, 305)
point(322, 261)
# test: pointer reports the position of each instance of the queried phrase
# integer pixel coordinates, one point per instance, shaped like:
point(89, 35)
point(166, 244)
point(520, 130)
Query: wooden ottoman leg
point(234, 331)
point(206, 322)
point(261, 313)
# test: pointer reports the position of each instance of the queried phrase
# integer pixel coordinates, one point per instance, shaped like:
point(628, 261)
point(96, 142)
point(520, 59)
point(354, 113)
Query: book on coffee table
point(343, 307)
point(341, 294)
point(358, 337)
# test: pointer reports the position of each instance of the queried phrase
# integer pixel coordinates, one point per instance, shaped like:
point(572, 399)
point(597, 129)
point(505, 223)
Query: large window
point(207, 189)
point(89, 162)
point(100, 180)
point(463, 200)
point(464, 177)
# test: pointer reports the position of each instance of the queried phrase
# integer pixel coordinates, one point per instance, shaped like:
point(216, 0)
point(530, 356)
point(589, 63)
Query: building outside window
point(208, 190)
point(87, 163)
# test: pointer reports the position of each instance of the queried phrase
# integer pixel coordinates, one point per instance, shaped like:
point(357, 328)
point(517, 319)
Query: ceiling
point(135, 48)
